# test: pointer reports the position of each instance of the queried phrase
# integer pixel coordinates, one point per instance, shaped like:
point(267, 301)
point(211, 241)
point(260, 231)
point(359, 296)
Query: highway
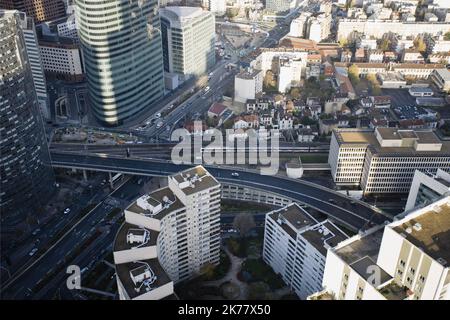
point(52, 264)
point(354, 214)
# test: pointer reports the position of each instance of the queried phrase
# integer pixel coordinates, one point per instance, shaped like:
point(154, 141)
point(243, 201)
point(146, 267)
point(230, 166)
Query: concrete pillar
point(85, 175)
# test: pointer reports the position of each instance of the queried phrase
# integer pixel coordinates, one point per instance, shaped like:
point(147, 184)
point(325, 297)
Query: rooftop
point(362, 267)
point(194, 180)
point(366, 246)
point(294, 218)
point(126, 270)
point(429, 231)
point(368, 137)
point(154, 199)
point(324, 235)
point(131, 236)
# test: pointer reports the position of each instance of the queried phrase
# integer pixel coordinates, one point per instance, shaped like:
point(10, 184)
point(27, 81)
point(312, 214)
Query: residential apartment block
point(427, 188)
point(407, 259)
point(295, 246)
point(383, 160)
point(174, 231)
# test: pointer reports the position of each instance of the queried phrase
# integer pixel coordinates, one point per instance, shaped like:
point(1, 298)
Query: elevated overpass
point(354, 214)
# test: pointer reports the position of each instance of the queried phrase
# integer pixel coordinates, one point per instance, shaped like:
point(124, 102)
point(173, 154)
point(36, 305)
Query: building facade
point(183, 235)
point(188, 41)
point(404, 260)
point(377, 28)
point(61, 58)
point(295, 246)
point(37, 70)
point(427, 188)
point(247, 85)
point(40, 10)
point(27, 180)
point(122, 54)
point(383, 160)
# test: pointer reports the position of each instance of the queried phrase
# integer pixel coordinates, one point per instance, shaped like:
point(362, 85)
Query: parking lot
point(399, 97)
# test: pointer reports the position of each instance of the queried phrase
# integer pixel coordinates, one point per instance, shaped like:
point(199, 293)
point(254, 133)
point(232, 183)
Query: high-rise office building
point(27, 179)
point(123, 58)
point(168, 236)
point(34, 57)
point(383, 160)
point(40, 10)
point(188, 40)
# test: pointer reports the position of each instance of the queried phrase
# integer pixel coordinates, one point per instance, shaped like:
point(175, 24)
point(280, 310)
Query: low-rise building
point(420, 92)
point(441, 78)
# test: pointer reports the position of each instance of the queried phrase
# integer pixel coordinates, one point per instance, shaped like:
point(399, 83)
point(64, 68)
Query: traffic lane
point(309, 192)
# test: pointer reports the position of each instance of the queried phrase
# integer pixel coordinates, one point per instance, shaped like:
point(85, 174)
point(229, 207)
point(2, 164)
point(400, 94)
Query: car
point(158, 115)
point(32, 252)
point(67, 210)
point(330, 200)
point(235, 174)
point(159, 125)
point(211, 74)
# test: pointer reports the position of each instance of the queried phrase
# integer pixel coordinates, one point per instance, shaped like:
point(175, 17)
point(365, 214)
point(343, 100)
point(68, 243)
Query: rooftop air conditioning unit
point(417, 227)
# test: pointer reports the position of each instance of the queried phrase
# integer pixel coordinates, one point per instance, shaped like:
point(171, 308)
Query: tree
point(232, 12)
point(420, 45)
point(385, 44)
point(353, 74)
point(295, 93)
point(244, 222)
point(374, 84)
point(447, 36)
point(208, 271)
point(343, 42)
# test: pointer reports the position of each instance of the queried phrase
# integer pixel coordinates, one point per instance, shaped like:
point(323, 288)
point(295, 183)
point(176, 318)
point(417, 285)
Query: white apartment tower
point(217, 7)
point(168, 236)
point(319, 27)
point(188, 40)
point(426, 188)
point(383, 160)
point(407, 259)
point(295, 246)
point(247, 85)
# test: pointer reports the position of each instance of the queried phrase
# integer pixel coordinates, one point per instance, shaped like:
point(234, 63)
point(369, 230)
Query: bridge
point(352, 213)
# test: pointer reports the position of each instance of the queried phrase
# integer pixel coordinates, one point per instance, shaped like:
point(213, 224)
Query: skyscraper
point(122, 51)
point(188, 40)
point(26, 177)
point(40, 10)
point(37, 70)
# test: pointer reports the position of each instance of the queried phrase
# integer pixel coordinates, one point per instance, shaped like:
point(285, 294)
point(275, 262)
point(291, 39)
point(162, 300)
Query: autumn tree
point(353, 74)
point(420, 45)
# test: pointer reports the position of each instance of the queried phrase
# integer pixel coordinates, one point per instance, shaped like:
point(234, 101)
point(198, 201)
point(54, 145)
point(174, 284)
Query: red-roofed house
point(216, 110)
